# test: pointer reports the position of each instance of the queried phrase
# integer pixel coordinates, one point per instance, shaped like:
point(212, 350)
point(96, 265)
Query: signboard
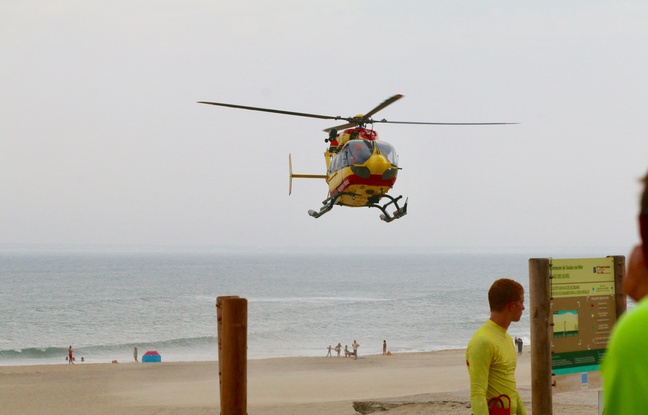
point(583, 311)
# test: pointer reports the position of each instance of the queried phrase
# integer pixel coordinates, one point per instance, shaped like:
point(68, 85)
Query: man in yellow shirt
point(490, 355)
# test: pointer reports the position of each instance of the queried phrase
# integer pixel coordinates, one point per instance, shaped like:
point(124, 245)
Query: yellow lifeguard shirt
point(491, 362)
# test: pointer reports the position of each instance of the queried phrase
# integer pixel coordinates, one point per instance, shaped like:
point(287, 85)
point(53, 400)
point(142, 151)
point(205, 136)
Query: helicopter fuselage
point(360, 168)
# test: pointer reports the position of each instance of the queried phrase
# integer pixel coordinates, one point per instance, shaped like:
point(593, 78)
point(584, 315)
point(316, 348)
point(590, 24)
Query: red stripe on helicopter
point(374, 180)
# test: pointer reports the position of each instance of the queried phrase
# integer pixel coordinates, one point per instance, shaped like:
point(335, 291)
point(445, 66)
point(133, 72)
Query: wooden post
point(540, 314)
point(233, 355)
point(619, 273)
point(219, 318)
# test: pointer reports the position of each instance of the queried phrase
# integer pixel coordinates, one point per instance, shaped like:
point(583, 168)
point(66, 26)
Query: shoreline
point(305, 385)
point(128, 359)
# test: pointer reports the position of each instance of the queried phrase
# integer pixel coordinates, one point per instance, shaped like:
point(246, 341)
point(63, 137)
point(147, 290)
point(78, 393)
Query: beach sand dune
point(404, 384)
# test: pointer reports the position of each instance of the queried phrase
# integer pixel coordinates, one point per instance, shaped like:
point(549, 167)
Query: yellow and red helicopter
point(360, 168)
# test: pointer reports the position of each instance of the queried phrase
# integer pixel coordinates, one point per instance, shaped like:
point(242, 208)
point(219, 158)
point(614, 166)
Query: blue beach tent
point(151, 357)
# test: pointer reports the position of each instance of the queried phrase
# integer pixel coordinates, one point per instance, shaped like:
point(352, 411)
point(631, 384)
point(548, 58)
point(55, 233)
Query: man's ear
point(643, 229)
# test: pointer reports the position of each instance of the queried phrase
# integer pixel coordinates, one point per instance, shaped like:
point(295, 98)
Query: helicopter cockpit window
point(388, 151)
point(359, 151)
point(353, 152)
point(339, 161)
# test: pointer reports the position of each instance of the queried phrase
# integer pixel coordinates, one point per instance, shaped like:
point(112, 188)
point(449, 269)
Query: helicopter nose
point(378, 164)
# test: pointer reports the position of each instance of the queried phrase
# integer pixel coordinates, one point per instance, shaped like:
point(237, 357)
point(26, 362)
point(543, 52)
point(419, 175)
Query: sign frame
point(541, 313)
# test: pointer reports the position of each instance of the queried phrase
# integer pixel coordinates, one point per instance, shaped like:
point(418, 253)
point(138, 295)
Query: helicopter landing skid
point(398, 213)
point(328, 205)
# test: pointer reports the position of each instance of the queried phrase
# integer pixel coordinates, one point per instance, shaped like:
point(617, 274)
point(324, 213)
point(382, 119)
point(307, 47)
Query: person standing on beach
point(135, 355)
point(355, 349)
point(384, 347)
point(70, 356)
point(624, 367)
point(329, 351)
point(490, 355)
point(338, 348)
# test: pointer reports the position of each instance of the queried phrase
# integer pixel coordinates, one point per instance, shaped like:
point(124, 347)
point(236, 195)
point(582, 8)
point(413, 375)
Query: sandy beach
point(403, 384)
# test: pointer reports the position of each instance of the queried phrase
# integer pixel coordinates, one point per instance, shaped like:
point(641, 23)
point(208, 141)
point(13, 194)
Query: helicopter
point(360, 168)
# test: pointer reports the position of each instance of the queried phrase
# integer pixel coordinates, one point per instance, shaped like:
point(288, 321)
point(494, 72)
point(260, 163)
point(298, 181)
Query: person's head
point(506, 295)
point(635, 283)
point(643, 218)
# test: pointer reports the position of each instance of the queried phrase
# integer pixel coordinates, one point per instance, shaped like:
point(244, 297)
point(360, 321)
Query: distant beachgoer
point(70, 357)
point(329, 351)
point(347, 353)
point(624, 366)
point(338, 348)
point(355, 349)
point(135, 355)
point(384, 347)
point(520, 346)
point(82, 359)
point(489, 355)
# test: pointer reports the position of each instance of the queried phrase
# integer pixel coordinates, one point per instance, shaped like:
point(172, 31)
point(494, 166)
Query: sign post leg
point(540, 294)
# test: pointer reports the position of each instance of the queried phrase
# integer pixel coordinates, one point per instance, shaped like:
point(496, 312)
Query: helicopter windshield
point(353, 152)
point(359, 151)
point(388, 151)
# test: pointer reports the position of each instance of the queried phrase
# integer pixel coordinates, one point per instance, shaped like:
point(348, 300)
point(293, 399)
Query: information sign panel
point(583, 313)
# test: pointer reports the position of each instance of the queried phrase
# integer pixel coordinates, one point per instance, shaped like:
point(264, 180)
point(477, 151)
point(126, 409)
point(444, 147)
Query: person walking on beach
point(329, 351)
point(624, 367)
point(384, 347)
point(70, 356)
point(135, 355)
point(490, 356)
point(355, 349)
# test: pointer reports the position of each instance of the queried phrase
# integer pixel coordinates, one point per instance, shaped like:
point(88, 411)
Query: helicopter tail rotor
point(300, 176)
point(290, 175)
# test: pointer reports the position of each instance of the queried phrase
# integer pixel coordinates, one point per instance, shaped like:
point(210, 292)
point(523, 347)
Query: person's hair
point(504, 291)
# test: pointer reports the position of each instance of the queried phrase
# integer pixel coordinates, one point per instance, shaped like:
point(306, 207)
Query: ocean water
point(105, 304)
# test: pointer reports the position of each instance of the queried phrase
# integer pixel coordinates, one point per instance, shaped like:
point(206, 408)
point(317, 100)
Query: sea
point(104, 304)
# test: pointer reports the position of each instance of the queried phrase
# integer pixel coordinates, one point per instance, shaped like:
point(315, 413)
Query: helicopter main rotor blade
point(438, 123)
point(356, 121)
point(370, 121)
point(387, 102)
point(298, 114)
point(360, 121)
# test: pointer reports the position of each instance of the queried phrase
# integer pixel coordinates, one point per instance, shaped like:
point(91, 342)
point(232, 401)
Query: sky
point(103, 143)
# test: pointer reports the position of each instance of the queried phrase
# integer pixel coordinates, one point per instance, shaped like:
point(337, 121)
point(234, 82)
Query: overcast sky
point(102, 142)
